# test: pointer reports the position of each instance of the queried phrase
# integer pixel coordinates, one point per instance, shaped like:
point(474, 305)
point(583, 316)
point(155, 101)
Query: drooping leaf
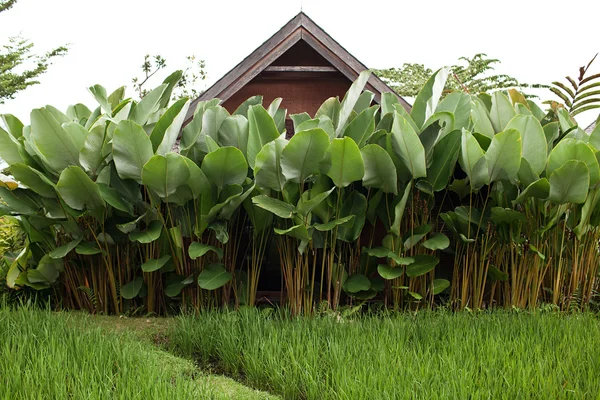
point(472, 160)
point(277, 207)
point(155, 264)
point(78, 191)
point(33, 179)
point(199, 249)
point(213, 277)
point(151, 233)
point(572, 149)
point(439, 241)
point(569, 183)
point(362, 126)
point(132, 289)
point(148, 105)
point(459, 104)
point(267, 168)
point(439, 285)
point(423, 264)
point(399, 210)
point(539, 189)
point(356, 283)
point(388, 272)
point(380, 171)
point(165, 132)
point(62, 251)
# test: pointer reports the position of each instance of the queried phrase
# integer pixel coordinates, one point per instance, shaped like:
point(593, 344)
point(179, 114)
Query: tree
point(473, 78)
point(19, 67)
point(186, 87)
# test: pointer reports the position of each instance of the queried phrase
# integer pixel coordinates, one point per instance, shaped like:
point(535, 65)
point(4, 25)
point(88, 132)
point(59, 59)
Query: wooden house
point(300, 63)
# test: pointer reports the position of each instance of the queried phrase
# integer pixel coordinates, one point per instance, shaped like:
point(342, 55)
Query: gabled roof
point(299, 28)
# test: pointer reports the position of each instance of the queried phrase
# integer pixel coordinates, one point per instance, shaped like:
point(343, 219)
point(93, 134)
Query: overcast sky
point(536, 40)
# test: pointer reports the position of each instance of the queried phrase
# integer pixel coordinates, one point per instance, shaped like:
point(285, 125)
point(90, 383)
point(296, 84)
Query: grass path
point(46, 355)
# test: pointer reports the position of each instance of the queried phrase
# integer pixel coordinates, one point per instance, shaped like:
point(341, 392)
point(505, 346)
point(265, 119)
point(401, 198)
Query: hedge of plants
point(126, 208)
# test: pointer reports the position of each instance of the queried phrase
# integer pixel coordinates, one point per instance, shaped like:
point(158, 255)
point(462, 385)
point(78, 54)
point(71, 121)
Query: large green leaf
point(445, 154)
point(535, 148)
point(114, 199)
point(356, 283)
point(310, 202)
point(472, 160)
point(362, 126)
point(459, 104)
point(99, 93)
point(33, 179)
point(301, 156)
point(439, 285)
point(572, 149)
point(267, 168)
point(234, 132)
point(53, 143)
point(225, 166)
point(501, 112)
point(10, 148)
point(277, 207)
point(132, 289)
point(539, 189)
point(131, 150)
point(355, 205)
point(349, 101)
point(78, 191)
point(165, 174)
point(199, 249)
point(148, 105)
point(380, 171)
point(570, 183)
point(165, 132)
point(62, 251)
point(504, 156)
point(388, 272)
point(213, 277)
point(343, 162)
point(13, 124)
point(155, 264)
point(439, 241)
point(91, 155)
point(261, 130)
point(428, 97)
point(151, 233)
point(480, 118)
point(423, 264)
point(408, 146)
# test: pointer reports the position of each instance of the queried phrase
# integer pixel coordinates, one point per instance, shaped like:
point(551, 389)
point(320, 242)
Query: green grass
point(46, 355)
point(430, 355)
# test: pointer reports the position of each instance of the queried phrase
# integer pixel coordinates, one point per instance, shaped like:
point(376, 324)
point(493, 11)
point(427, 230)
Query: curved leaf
point(53, 143)
point(427, 100)
point(380, 171)
point(151, 234)
point(356, 283)
point(423, 264)
point(408, 146)
point(301, 156)
point(343, 162)
point(504, 156)
point(445, 154)
point(261, 130)
point(225, 166)
point(132, 289)
point(213, 277)
point(439, 241)
point(535, 148)
point(165, 174)
point(572, 149)
point(78, 191)
point(131, 150)
point(199, 249)
point(388, 272)
point(569, 183)
point(153, 265)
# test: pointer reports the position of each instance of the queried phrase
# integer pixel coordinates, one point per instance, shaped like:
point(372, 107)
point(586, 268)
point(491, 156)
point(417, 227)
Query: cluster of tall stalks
point(470, 201)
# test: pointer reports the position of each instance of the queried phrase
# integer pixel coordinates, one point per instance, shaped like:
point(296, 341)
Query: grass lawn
point(430, 355)
point(46, 355)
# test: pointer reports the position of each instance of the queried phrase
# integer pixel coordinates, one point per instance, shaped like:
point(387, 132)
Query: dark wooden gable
point(300, 63)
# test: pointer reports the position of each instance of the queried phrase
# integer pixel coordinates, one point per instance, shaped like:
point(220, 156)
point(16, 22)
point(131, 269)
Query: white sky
point(536, 40)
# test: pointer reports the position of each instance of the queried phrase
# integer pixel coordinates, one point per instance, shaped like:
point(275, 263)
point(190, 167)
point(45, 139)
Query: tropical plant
point(475, 77)
point(124, 207)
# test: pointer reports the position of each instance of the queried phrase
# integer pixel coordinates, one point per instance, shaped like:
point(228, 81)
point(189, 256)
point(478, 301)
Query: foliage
point(17, 55)
point(537, 355)
point(578, 95)
point(192, 75)
point(61, 356)
point(477, 201)
point(475, 77)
